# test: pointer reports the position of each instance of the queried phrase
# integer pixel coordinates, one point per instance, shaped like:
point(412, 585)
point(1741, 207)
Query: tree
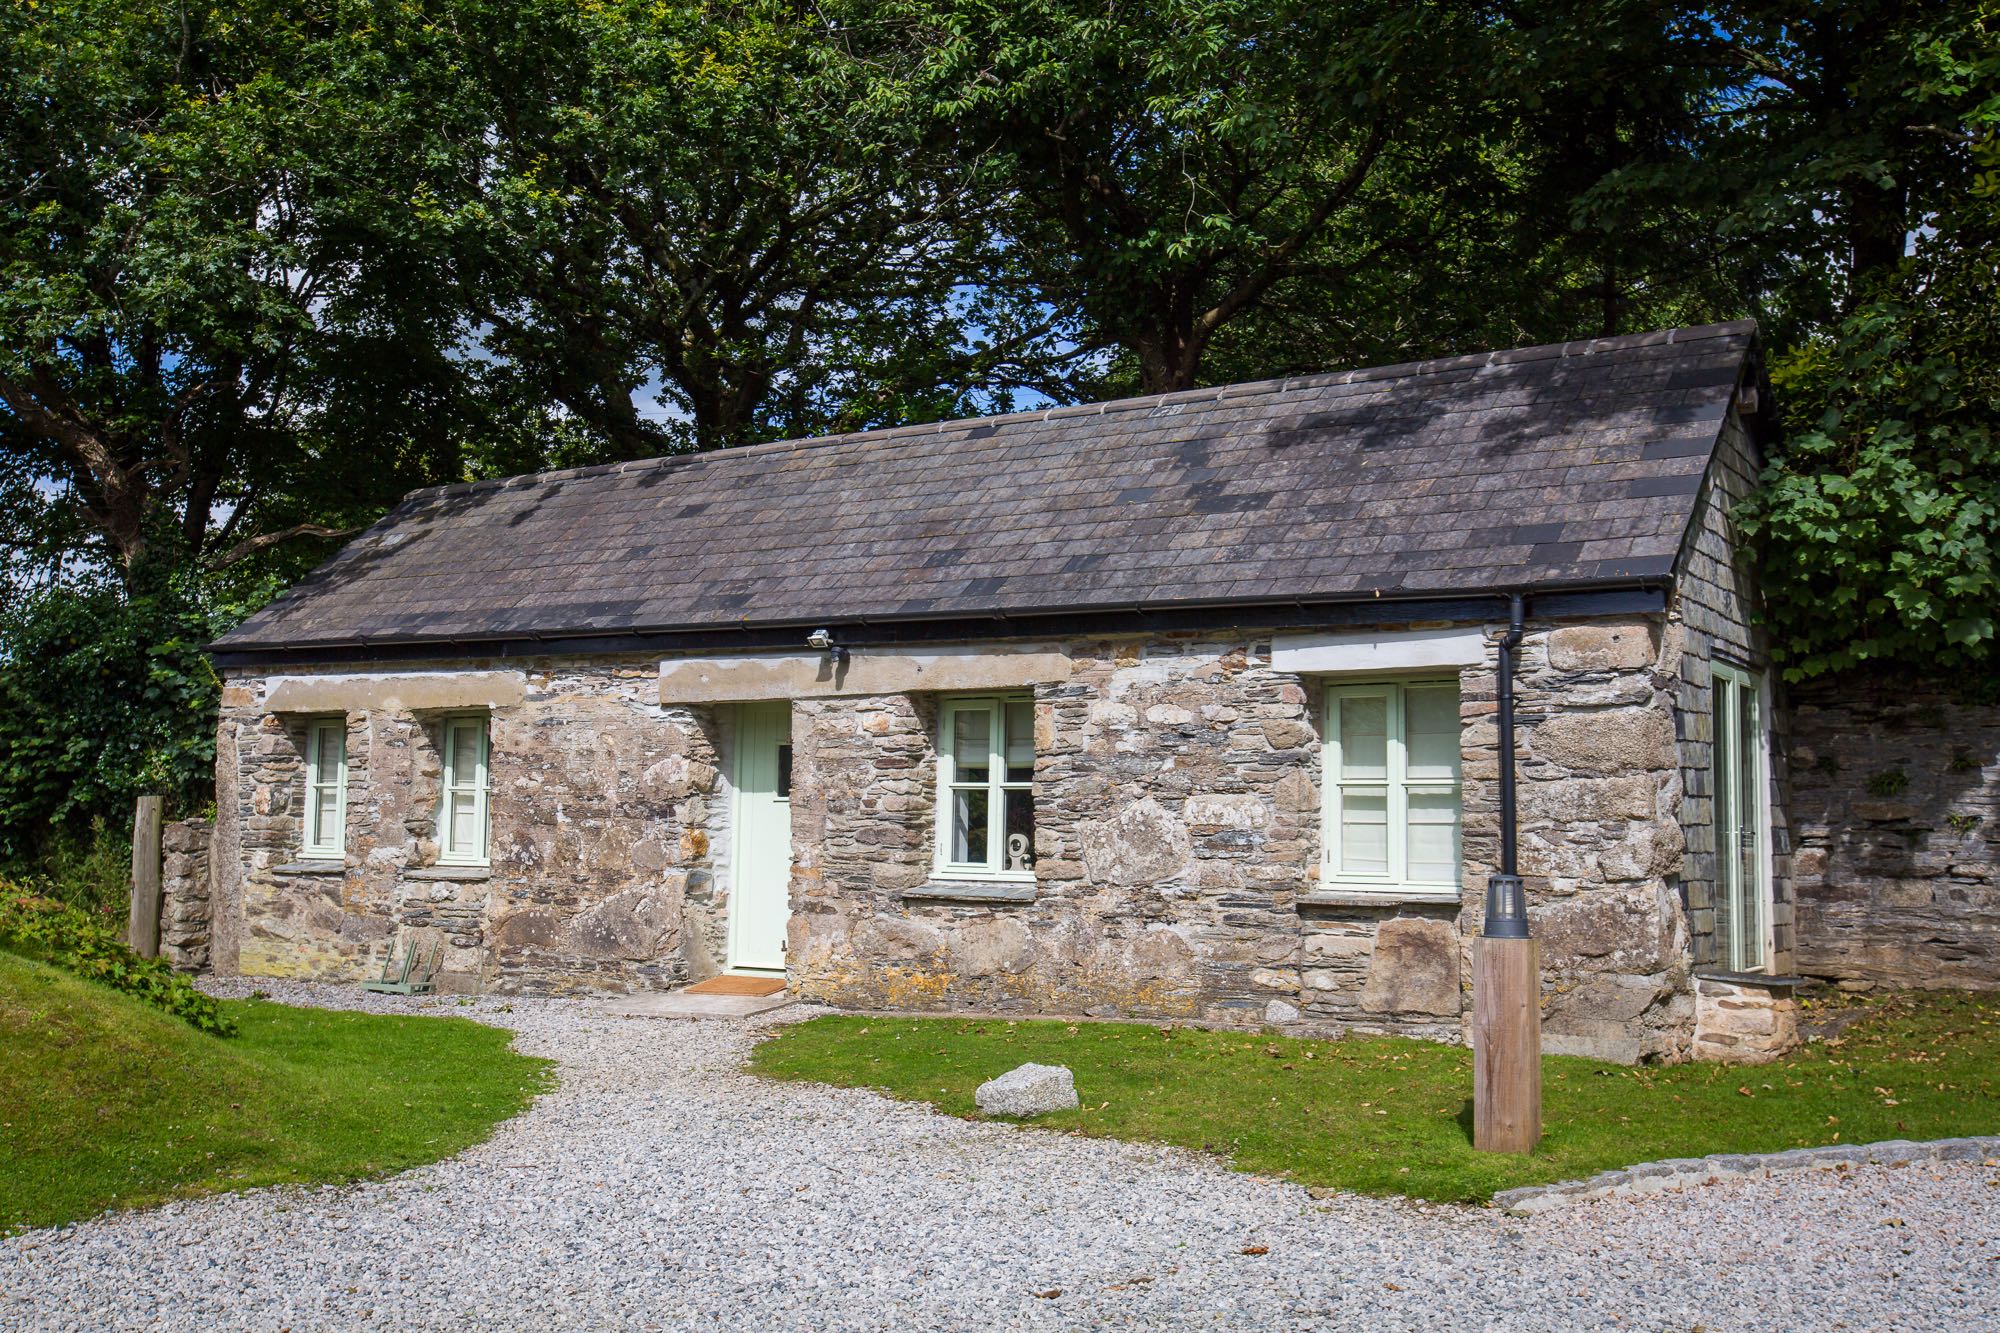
point(1166, 169)
point(216, 329)
point(1880, 512)
point(718, 208)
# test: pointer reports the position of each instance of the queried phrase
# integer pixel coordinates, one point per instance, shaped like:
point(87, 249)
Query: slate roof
point(1572, 463)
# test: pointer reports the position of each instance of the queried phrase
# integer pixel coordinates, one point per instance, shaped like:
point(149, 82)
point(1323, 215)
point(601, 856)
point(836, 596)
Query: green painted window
point(462, 809)
point(986, 793)
point(326, 788)
point(1392, 787)
point(1742, 814)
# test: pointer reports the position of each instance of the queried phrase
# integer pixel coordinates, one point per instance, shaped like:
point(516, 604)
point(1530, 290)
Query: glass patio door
point(1742, 880)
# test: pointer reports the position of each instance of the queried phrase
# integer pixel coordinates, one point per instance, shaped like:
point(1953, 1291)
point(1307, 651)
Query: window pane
point(326, 754)
point(972, 742)
point(326, 815)
point(1364, 833)
point(464, 823)
point(1020, 741)
point(1433, 833)
point(1430, 728)
point(1020, 851)
point(1728, 884)
point(1748, 810)
point(968, 826)
point(468, 749)
point(1364, 737)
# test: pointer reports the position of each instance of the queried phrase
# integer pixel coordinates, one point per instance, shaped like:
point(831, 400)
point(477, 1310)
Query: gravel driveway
point(662, 1188)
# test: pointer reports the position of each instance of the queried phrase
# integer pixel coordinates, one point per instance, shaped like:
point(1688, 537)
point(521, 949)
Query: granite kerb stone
point(1680, 1172)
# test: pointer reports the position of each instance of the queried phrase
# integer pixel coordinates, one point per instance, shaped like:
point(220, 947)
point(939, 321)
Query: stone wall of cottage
point(604, 812)
point(1178, 844)
point(1896, 789)
point(1715, 602)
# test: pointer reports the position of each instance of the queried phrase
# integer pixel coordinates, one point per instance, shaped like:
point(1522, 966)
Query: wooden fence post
point(142, 927)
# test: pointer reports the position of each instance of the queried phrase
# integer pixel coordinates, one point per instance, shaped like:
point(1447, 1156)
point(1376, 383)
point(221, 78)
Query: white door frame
point(746, 734)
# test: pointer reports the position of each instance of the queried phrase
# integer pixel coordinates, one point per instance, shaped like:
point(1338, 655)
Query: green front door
point(760, 900)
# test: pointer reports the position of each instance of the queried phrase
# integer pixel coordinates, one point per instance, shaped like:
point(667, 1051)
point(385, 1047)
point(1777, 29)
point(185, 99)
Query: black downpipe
point(1506, 901)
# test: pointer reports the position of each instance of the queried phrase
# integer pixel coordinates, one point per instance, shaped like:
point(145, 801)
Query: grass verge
point(1394, 1116)
point(107, 1103)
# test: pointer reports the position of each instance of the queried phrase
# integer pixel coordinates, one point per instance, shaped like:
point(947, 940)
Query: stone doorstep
point(679, 1004)
point(1681, 1172)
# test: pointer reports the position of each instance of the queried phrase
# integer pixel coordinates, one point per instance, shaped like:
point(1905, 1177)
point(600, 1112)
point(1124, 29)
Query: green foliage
point(1163, 171)
point(112, 1105)
point(65, 937)
point(1880, 511)
point(1892, 782)
point(704, 225)
point(220, 317)
point(106, 694)
point(85, 866)
point(1390, 1116)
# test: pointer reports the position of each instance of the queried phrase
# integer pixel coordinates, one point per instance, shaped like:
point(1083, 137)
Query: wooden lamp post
point(1506, 970)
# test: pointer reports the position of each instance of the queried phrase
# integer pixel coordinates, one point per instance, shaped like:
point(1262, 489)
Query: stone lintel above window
point(328, 867)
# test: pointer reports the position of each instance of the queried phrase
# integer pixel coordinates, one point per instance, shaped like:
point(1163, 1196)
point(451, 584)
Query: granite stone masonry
point(1177, 847)
point(185, 906)
point(603, 813)
point(1896, 797)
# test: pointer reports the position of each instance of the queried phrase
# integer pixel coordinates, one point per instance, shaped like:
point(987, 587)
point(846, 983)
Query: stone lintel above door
point(816, 675)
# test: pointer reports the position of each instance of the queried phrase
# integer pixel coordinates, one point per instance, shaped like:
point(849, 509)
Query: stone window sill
point(1761, 979)
point(973, 891)
point(311, 868)
point(1386, 898)
point(460, 874)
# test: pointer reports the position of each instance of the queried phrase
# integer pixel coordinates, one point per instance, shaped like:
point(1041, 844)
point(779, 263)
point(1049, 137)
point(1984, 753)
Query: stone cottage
point(1179, 706)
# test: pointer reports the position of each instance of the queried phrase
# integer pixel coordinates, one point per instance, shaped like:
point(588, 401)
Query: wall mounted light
point(822, 640)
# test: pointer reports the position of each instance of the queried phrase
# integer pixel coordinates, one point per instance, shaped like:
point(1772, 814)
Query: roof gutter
point(1556, 600)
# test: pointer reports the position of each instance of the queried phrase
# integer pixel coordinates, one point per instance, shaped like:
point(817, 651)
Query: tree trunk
point(1877, 233)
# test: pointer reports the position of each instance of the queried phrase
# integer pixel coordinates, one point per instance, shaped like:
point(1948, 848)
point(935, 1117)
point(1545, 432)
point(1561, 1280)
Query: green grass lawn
point(1388, 1115)
point(107, 1103)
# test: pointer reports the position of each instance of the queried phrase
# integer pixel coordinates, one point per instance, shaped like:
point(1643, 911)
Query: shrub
point(87, 866)
point(59, 934)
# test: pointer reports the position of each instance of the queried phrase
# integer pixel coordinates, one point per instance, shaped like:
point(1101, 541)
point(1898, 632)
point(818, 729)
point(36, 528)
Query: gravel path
point(661, 1188)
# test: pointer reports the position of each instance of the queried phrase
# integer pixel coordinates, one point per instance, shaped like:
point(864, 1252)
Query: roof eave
point(1643, 591)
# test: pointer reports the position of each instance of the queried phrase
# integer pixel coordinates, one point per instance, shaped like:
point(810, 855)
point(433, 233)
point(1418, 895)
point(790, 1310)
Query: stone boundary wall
point(1896, 798)
point(185, 900)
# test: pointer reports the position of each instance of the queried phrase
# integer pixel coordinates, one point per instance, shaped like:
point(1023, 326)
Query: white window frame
point(325, 844)
point(1396, 785)
point(454, 780)
point(996, 785)
point(1725, 708)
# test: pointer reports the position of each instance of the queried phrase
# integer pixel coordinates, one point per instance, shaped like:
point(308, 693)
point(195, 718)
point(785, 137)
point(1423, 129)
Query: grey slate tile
point(1574, 460)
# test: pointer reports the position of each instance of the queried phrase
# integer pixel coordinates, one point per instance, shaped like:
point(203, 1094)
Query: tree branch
point(264, 541)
